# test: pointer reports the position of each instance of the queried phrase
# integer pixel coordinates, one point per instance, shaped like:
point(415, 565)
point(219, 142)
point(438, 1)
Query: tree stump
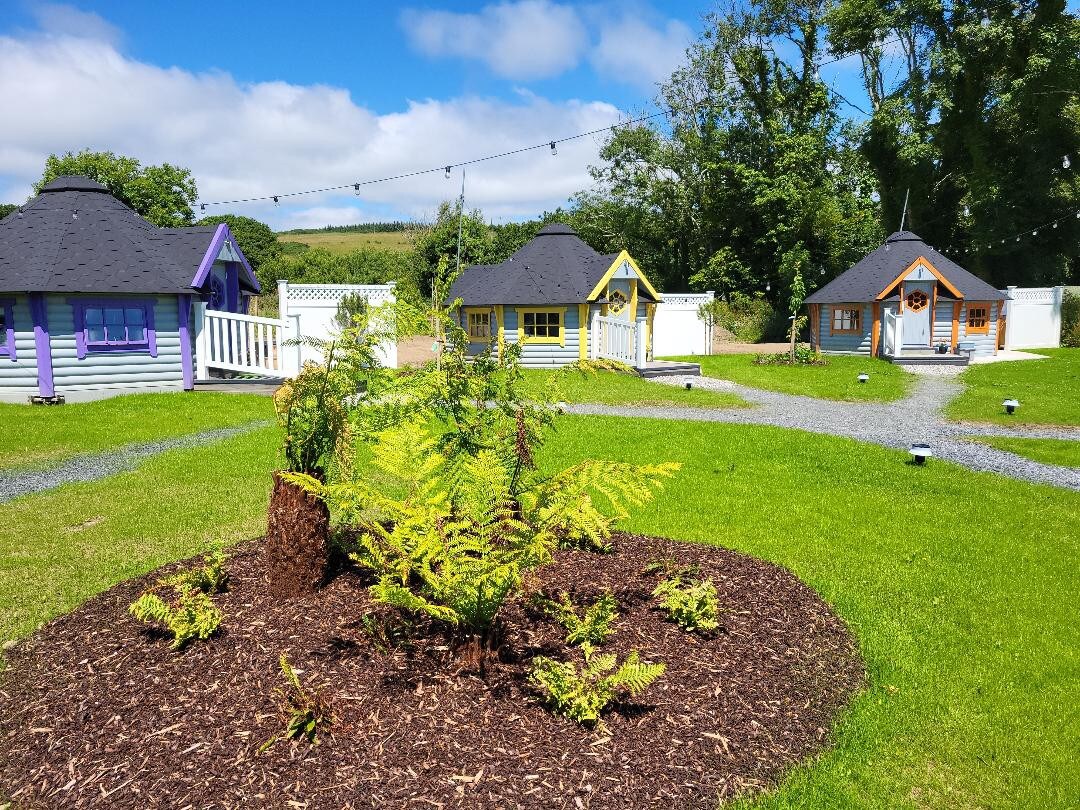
point(297, 540)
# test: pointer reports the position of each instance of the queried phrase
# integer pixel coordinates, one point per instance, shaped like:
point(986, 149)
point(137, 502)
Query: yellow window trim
point(560, 340)
point(933, 271)
point(615, 265)
point(466, 311)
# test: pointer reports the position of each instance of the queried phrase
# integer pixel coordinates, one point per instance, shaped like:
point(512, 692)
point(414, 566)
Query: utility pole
point(461, 216)
point(903, 216)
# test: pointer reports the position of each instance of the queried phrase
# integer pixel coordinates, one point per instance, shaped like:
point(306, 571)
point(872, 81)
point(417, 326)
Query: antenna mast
point(903, 216)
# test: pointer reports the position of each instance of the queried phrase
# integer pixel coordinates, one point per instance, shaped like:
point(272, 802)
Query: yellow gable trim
point(933, 271)
point(623, 257)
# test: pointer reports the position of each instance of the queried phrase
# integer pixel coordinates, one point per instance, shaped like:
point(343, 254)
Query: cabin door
point(918, 313)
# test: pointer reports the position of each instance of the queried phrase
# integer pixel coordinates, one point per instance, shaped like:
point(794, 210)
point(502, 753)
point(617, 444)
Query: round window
point(616, 302)
point(217, 293)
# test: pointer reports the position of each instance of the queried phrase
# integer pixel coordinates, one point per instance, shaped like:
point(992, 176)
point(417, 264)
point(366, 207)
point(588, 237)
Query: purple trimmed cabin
point(95, 301)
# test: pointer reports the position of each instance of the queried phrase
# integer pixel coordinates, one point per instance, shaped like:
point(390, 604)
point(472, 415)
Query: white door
point(917, 303)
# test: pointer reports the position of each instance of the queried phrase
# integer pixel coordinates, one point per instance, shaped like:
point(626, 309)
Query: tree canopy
point(163, 195)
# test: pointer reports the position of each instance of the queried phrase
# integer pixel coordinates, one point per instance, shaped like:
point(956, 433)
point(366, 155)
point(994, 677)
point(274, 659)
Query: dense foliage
point(1070, 320)
point(163, 195)
point(364, 265)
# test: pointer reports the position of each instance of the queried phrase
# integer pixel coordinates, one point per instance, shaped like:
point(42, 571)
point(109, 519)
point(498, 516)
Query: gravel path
point(92, 466)
point(916, 418)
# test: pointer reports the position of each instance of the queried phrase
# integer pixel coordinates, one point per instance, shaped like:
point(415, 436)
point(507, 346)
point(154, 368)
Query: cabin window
point(7, 328)
point(978, 319)
point(917, 300)
point(121, 325)
point(479, 326)
point(616, 302)
point(541, 325)
point(846, 319)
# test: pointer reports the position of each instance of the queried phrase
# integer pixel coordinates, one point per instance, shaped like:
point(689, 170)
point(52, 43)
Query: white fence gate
point(1033, 317)
point(618, 339)
point(676, 327)
point(892, 327)
point(228, 341)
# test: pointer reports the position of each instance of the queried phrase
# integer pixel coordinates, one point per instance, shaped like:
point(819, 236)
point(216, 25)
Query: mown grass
point(1048, 390)
point(618, 388)
point(837, 380)
point(60, 547)
point(340, 243)
point(1062, 452)
point(955, 583)
point(37, 435)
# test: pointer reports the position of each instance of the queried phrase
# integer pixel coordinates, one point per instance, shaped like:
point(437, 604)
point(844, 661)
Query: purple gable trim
point(210, 256)
point(8, 348)
point(83, 347)
point(220, 236)
point(183, 313)
point(39, 314)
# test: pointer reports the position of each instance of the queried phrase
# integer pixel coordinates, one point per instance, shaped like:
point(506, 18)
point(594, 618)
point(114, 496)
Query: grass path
point(34, 436)
point(954, 582)
point(1063, 452)
point(61, 547)
point(838, 380)
point(1048, 390)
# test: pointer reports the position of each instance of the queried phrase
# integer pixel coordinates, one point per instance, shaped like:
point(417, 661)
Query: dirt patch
point(96, 711)
point(415, 351)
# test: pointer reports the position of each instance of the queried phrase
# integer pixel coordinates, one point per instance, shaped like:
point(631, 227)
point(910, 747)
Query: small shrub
point(804, 356)
point(192, 615)
point(748, 319)
point(693, 606)
point(583, 694)
point(304, 711)
point(1070, 320)
point(210, 577)
point(592, 628)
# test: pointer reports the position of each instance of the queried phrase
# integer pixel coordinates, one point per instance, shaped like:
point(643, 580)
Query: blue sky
point(282, 99)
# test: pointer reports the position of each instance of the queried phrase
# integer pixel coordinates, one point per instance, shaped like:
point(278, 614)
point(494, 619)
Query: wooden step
point(668, 368)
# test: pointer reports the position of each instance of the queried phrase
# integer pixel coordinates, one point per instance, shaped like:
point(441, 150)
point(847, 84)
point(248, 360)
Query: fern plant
point(210, 577)
point(305, 711)
point(192, 615)
point(583, 693)
point(694, 606)
point(593, 627)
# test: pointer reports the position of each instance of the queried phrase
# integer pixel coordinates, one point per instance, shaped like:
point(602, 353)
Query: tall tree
point(974, 107)
point(440, 241)
point(163, 195)
point(754, 182)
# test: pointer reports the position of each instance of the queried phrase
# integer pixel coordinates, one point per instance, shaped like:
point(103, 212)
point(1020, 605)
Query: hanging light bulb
point(356, 188)
point(1034, 233)
point(1018, 239)
point(19, 215)
point(75, 214)
point(822, 271)
point(446, 174)
point(767, 286)
point(202, 206)
point(1055, 226)
point(276, 201)
point(1065, 162)
point(554, 151)
point(967, 211)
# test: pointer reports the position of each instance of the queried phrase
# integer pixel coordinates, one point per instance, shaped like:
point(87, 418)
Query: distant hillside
point(342, 241)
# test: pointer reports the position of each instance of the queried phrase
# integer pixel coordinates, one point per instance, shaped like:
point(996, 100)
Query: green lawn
point(341, 243)
point(60, 547)
point(1062, 452)
point(1048, 390)
point(952, 586)
point(616, 388)
point(35, 435)
point(837, 380)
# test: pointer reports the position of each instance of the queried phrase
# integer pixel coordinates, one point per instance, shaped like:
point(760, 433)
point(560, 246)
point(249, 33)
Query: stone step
point(660, 368)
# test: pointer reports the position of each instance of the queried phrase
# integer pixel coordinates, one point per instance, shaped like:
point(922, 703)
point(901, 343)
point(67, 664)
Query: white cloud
point(636, 53)
point(63, 20)
point(530, 39)
point(62, 93)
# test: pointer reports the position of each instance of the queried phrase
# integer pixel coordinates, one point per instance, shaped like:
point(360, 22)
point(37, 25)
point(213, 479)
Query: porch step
point(668, 368)
point(928, 359)
point(266, 386)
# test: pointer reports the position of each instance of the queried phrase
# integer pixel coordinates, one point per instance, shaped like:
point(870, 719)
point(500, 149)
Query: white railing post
point(594, 338)
point(202, 344)
point(640, 348)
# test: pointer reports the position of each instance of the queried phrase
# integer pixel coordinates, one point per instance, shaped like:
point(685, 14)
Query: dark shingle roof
point(77, 237)
point(555, 267)
point(866, 279)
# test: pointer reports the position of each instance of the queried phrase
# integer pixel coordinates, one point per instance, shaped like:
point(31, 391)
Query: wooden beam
point(876, 333)
point(956, 323)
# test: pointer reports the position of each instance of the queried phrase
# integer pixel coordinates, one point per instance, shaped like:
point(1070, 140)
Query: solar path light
point(864, 377)
point(1010, 406)
point(920, 452)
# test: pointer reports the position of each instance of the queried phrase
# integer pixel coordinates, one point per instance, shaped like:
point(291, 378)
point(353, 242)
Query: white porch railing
point(893, 324)
point(241, 343)
point(618, 339)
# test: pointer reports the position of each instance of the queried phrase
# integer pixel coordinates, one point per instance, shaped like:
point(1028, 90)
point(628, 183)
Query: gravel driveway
point(90, 467)
point(917, 418)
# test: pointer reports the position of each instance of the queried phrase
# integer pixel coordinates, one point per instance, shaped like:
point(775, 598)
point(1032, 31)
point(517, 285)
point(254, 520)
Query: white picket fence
point(228, 341)
point(617, 339)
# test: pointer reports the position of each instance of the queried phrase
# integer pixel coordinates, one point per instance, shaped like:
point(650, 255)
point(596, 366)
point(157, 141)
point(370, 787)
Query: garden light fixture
point(1010, 406)
point(920, 452)
point(689, 386)
point(864, 377)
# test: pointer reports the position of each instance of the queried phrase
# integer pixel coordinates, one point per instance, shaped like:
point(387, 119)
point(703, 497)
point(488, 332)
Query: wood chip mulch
point(95, 710)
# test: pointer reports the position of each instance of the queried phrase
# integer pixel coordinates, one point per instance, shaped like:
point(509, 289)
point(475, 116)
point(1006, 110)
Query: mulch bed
point(95, 710)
